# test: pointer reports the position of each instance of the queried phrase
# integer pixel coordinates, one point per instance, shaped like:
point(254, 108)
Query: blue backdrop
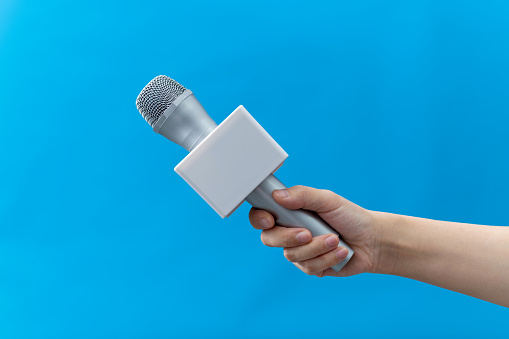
point(399, 106)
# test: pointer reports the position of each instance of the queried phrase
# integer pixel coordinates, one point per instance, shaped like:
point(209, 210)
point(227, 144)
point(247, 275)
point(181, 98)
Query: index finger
point(260, 219)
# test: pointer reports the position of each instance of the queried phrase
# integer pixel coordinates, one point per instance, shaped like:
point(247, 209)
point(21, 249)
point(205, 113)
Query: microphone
point(220, 165)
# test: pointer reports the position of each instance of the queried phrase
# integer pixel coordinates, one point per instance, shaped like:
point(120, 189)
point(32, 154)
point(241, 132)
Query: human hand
point(315, 256)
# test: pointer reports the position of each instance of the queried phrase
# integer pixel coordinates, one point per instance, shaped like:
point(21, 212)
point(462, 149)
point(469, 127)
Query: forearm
point(470, 259)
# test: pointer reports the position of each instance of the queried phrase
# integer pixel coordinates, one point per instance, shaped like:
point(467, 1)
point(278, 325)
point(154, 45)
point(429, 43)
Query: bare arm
point(470, 259)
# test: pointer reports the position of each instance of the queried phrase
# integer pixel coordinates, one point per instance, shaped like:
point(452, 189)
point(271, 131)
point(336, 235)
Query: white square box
point(231, 162)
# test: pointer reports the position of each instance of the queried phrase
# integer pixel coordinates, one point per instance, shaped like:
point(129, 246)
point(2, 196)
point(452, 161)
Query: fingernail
point(265, 223)
point(303, 237)
point(282, 193)
point(341, 254)
point(331, 241)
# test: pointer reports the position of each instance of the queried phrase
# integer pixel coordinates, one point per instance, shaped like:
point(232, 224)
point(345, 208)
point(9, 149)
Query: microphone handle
point(261, 198)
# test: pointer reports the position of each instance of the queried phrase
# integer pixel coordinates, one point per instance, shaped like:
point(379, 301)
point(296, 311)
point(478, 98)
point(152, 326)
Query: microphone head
point(174, 112)
point(157, 96)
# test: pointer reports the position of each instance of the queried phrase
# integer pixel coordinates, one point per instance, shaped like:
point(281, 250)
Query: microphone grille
point(157, 96)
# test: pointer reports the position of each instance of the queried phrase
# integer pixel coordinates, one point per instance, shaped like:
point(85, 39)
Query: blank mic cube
point(231, 162)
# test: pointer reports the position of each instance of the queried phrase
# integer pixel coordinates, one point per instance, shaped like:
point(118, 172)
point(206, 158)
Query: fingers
point(316, 257)
point(320, 266)
point(261, 219)
point(316, 247)
point(278, 236)
point(313, 256)
point(308, 198)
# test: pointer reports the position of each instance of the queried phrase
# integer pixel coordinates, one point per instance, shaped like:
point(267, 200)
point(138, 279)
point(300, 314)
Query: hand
point(315, 256)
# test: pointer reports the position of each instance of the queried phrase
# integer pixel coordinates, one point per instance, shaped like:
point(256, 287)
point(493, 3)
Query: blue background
point(399, 106)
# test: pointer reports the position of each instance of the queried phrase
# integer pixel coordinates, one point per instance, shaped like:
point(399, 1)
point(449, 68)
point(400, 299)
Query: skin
point(466, 258)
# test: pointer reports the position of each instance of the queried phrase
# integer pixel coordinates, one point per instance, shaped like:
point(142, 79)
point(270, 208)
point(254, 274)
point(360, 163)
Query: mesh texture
point(157, 96)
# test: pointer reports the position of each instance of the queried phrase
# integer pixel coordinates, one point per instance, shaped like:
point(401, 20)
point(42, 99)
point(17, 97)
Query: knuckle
point(319, 265)
point(311, 196)
point(333, 199)
point(327, 193)
point(325, 200)
point(302, 190)
point(289, 255)
point(320, 274)
point(307, 268)
point(313, 271)
point(329, 261)
point(309, 272)
point(323, 260)
point(289, 239)
point(299, 191)
point(265, 239)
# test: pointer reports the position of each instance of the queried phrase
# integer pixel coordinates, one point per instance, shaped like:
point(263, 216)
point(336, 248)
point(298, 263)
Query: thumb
point(320, 201)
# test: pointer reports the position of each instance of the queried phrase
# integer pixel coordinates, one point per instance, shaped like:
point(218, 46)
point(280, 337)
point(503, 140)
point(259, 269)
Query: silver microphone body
point(186, 123)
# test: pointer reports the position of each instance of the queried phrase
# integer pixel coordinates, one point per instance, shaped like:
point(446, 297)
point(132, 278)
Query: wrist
point(390, 242)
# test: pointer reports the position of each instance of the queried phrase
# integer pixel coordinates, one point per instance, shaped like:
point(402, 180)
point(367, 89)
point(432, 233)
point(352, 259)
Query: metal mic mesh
point(157, 96)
